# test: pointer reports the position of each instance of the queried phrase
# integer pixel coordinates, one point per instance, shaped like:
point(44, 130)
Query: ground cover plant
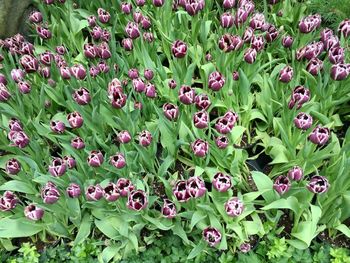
point(214, 123)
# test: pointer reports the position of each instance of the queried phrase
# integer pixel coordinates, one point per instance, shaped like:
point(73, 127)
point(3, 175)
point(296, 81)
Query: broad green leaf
point(84, 229)
point(18, 186)
point(20, 227)
point(197, 250)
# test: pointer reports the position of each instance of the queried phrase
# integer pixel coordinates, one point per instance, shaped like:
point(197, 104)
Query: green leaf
point(197, 217)
point(263, 182)
point(18, 186)
point(291, 203)
point(20, 227)
point(84, 229)
point(344, 229)
point(244, 87)
point(197, 250)
point(179, 231)
point(109, 252)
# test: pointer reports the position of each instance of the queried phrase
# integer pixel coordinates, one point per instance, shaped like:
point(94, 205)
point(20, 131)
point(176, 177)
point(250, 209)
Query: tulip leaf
point(179, 231)
point(20, 227)
point(344, 229)
point(196, 250)
point(196, 218)
point(18, 186)
point(84, 229)
point(263, 182)
point(291, 203)
point(109, 252)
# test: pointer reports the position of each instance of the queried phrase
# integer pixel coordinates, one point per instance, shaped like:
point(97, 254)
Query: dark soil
point(287, 225)
point(339, 241)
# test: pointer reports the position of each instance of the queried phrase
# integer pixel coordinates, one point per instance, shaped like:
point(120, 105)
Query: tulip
point(65, 72)
point(245, 247)
point(169, 209)
point(15, 125)
point(336, 55)
point(148, 73)
point(73, 190)
point(124, 137)
point(229, 43)
point(150, 91)
point(114, 86)
point(194, 6)
point(124, 186)
point(126, 8)
point(132, 30)
point(137, 200)
point(250, 55)
point(179, 49)
point(232, 117)
point(318, 184)
point(202, 102)
point(75, 120)
point(91, 21)
point(234, 207)
point(13, 166)
point(228, 4)
point(319, 135)
point(70, 162)
point(33, 212)
point(57, 126)
point(257, 43)
point(257, 21)
point(271, 34)
point(172, 84)
point(137, 105)
point(296, 173)
point(201, 119)
point(103, 15)
point(344, 28)
point(82, 96)
point(315, 66)
point(148, 36)
point(118, 160)
point(282, 184)
point(222, 142)
point(139, 85)
point(127, 44)
point(181, 191)
point(43, 32)
point(61, 50)
point(248, 34)
point(145, 138)
point(49, 193)
point(241, 16)
point(313, 50)
point(29, 63)
point(58, 167)
point(186, 95)
point(226, 20)
point(216, 81)
point(200, 147)
point(94, 71)
point(94, 193)
point(118, 99)
point(18, 138)
point(77, 143)
point(104, 51)
point(96, 32)
point(171, 111)
point(24, 87)
point(45, 72)
point(35, 17)
point(78, 71)
point(325, 34)
point(222, 182)
point(3, 79)
point(145, 22)
point(140, 2)
point(8, 201)
point(300, 95)
point(338, 71)
point(196, 187)
point(286, 74)
point(17, 75)
point(95, 159)
point(212, 236)
point(331, 42)
point(309, 23)
point(303, 121)
point(137, 16)
point(287, 41)
point(111, 192)
point(133, 73)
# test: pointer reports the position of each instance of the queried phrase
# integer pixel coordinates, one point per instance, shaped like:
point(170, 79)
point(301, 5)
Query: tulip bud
point(216, 81)
point(145, 138)
point(132, 30)
point(96, 32)
point(222, 182)
point(303, 121)
point(61, 50)
point(228, 42)
point(127, 44)
point(35, 17)
point(118, 160)
point(75, 119)
point(15, 125)
point(169, 209)
point(43, 32)
point(234, 207)
point(103, 15)
point(319, 135)
point(90, 50)
point(300, 96)
point(114, 85)
point(118, 99)
point(94, 193)
point(17, 75)
point(148, 36)
point(111, 192)
point(248, 34)
point(314, 66)
point(296, 173)
point(186, 95)
point(309, 23)
point(137, 200)
point(226, 20)
point(336, 55)
point(95, 159)
point(82, 96)
point(91, 21)
point(145, 22)
point(245, 247)
point(18, 138)
point(202, 102)
point(181, 191)
point(29, 63)
point(282, 184)
point(139, 85)
point(286, 74)
point(228, 4)
point(124, 137)
point(73, 190)
point(133, 73)
point(24, 87)
point(287, 41)
point(57, 126)
point(140, 2)
point(172, 84)
point(126, 8)
point(94, 71)
point(200, 148)
point(257, 43)
point(70, 162)
point(104, 51)
point(124, 186)
point(65, 72)
point(8, 201)
point(49, 193)
point(196, 187)
point(137, 16)
point(250, 55)
point(344, 28)
point(201, 119)
point(257, 21)
point(13, 166)
point(212, 236)
point(45, 72)
point(331, 42)
point(318, 184)
point(241, 16)
point(171, 111)
point(78, 71)
point(148, 73)
point(194, 6)
point(338, 71)
point(271, 34)
point(3, 79)
point(222, 142)
point(77, 143)
point(32, 212)
point(58, 167)
point(150, 91)
point(179, 49)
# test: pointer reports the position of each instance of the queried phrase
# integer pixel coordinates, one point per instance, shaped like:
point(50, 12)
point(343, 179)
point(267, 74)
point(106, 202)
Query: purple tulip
point(313, 50)
point(3, 79)
point(75, 119)
point(194, 6)
point(300, 96)
point(296, 173)
point(208, 57)
point(137, 16)
point(118, 99)
point(44, 72)
point(325, 34)
point(114, 85)
point(13, 166)
point(140, 2)
point(103, 15)
point(336, 55)
point(196, 187)
point(137, 105)
point(15, 125)
point(241, 16)
point(49, 193)
point(309, 23)
point(200, 148)
point(77, 143)
point(126, 8)
point(282, 184)
point(319, 135)
point(222, 182)
point(148, 36)
point(201, 119)
point(73, 190)
point(245, 247)
point(229, 42)
point(303, 121)
point(70, 162)
point(118, 160)
point(57, 126)
point(104, 51)
point(17, 75)
point(212, 236)
point(92, 21)
point(287, 41)
point(222, 142)
point(257, 43)
point(139, 85)
point(228, 4)
point(133, 73)
point(96, 32)
point(186, 94)
point(250, 55)
point(150, 91)
point(65, 72)
point(111, 192)
point(95, 159)
point(286, 74)
point(179, 49)
point(137, 200)
point(61, 50)
point(168, 209)
point(338, 71)
point(257, 22)
point(223, 125)
point(127, 44)
point(58, 167)
point(29, 63)
point(226, 20)
point(234, 207)
point(43, 32)
point(24, 87)
point(216, 81)
point(202, 102)
point(94, 193)
point(148, 73)
point(124, 186)
point(18, 138)
point(81, 96)
point(331, 42)
point(145, 138)
point(124, 137)
point(344, 28)
point(94, 71)
point(146, 22)
point(171, 111)
point(271, 34)
point(318, 184)
point(181, 191)
point(78, 71)
point(35, 17)
point(8, 201)
point(132, 30)
point(32, 212)
point(247, 35)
